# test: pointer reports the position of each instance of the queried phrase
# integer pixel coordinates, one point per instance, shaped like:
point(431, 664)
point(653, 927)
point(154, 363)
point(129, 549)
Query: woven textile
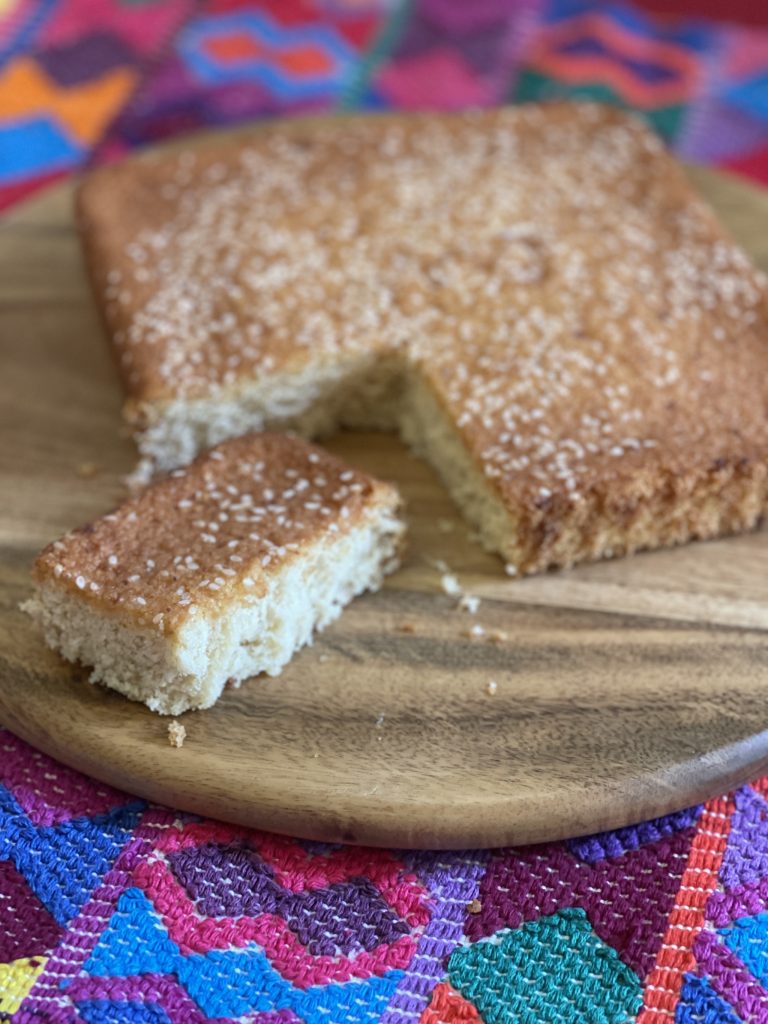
point(112, 910)
point(82, 81)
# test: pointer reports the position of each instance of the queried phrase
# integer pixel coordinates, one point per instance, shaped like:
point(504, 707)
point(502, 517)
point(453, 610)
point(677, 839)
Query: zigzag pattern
point(222, 983)
point(200, 921)
point(287, 941)
point(63, 864)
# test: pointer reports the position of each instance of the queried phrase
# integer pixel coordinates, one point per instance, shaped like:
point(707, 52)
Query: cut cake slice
point(218, 572)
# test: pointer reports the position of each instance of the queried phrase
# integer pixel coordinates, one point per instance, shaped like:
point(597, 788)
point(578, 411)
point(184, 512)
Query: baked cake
point(218, 572)
point(534, 296)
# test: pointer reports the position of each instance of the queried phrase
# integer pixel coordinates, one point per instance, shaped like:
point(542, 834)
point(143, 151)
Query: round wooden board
point(626, 690)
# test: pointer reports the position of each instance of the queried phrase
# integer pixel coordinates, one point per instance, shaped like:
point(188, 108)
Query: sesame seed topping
point(177, 537)
point(547, 271)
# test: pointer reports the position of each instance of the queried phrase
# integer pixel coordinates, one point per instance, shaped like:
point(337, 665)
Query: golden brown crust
point(213, 532)
point(577, 311)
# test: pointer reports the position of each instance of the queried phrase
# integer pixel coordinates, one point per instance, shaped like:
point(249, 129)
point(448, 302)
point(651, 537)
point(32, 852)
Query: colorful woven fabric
point(82, 81)
point(112, 910)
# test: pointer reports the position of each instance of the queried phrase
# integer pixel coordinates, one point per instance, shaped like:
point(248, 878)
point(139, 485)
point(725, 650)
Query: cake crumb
point(450, 585)
point(474, 631)
point(86, 470)
point(492, 687)
point(446, 525)
point(406, 627)
point(510, 570)
point(176, 733)
point(498, 636)
point(469, 603)
point(474, 906)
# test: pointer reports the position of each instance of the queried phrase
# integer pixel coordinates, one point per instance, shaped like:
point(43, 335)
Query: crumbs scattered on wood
point(451, 585)
point(406, 627)
point(176, 734)
point(474, 631)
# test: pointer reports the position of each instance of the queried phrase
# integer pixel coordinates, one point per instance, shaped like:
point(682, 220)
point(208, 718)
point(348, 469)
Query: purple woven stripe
point(85, 930)
point(614, 844)
point(53, 1015)
point(453, 883)
point(26, 926)
point(746, 858)
point(730, 978)
point(745, 901)
point(86, 58)
point(344, 917)
point(627, 898)
point(161, 989)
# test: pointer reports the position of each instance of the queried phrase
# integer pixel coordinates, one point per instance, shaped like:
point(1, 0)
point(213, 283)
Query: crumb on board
point(475, 631)
point(450, 585)
point(492, 687)
point(87, 470)
point(380, 721)
point(446, 525)
point(406, 627)
point(498, 636)
point(510, 570)
point(176, 733)
point(323, 657)
point(474, 906)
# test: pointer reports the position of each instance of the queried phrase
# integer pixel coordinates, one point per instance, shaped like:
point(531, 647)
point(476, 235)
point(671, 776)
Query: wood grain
point(625, 690)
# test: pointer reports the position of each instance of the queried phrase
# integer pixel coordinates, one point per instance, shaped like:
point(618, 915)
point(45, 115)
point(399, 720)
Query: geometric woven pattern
point(82, 81)
point(113, 910)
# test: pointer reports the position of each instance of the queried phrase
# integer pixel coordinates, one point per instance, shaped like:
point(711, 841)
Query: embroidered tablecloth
point(112, 910)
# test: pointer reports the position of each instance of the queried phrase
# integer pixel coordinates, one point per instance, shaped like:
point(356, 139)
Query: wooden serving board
point(626, 690)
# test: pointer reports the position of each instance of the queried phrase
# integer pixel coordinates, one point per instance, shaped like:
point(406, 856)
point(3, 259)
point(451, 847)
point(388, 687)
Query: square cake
point(535, 297)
